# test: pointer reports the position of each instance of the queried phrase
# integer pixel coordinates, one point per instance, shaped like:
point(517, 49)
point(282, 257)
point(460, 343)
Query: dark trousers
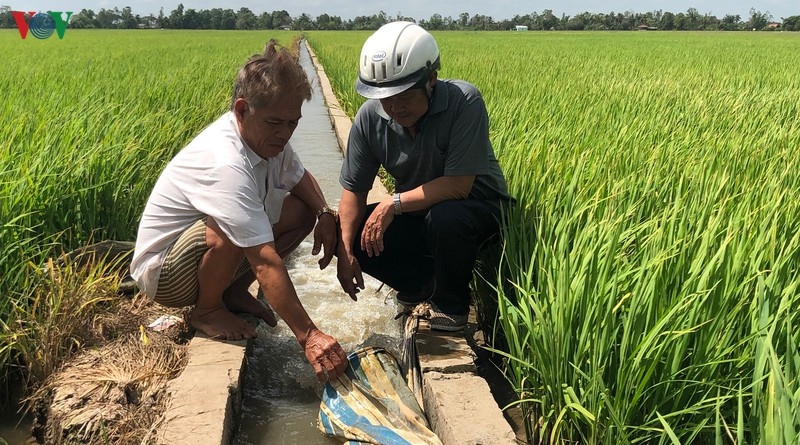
point(441, 244)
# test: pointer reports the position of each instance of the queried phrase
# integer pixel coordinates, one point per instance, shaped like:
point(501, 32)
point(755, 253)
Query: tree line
point(245, 19)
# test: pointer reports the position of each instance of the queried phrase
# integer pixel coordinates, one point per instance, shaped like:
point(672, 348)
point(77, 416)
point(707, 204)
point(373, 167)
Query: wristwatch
point(397, 209)
point(326, 209)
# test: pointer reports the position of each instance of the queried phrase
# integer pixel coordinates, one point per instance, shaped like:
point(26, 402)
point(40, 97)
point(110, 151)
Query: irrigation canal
point(281, 394)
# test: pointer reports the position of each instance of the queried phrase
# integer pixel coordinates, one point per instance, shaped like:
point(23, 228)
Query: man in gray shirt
point(432, 137)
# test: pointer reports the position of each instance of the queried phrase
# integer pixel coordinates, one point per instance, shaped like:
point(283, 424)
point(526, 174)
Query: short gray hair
point(265, 76)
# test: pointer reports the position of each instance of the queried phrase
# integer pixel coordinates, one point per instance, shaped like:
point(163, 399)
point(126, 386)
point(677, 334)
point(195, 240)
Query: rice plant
point(89, 123)
point(648, 285)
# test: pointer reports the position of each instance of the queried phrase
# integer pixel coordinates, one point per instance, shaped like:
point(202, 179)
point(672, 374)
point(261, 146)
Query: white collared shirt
point(216, 175)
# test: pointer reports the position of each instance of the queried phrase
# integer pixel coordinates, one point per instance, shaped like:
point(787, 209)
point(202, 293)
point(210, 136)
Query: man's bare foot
point(244, 302)
point(219, 322)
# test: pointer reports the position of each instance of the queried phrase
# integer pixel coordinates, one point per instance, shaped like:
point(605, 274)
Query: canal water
point(13, 430)
point(281, 393)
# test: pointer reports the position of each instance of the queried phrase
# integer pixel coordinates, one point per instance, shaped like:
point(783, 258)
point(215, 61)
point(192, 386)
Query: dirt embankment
point(114, 392)
point(109, 387)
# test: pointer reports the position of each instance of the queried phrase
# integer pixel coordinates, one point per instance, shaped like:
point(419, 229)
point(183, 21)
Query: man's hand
point(349, 273)
point(325, 355)
point(325, 235)
point(375, 227)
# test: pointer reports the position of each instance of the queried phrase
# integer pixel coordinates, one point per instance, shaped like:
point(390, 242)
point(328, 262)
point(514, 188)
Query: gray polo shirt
point(452, 140)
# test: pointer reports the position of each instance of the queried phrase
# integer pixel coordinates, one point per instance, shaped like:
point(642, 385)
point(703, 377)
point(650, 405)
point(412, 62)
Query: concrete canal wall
point(206, 398)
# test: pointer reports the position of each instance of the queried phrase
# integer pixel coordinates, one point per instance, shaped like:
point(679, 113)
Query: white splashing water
point(281, 392)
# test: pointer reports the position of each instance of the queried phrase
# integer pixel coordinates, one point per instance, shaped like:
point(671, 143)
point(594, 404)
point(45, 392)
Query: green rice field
point(88, 124)
point(648, 286)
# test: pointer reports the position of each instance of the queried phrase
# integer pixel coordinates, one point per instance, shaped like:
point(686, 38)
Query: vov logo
point(41, 24)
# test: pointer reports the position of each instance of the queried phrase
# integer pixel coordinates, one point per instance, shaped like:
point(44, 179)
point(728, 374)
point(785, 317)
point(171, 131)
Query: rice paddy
point(88, 124)
point(648, 284)
point(647, 289)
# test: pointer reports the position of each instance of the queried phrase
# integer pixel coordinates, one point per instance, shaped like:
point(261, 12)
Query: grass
point(90, 121)
point(647, 287)
point(646, 281)
point(59, 318)
point(122, 388)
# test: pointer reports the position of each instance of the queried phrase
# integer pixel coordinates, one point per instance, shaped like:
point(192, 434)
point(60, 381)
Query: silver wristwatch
point(397, 209)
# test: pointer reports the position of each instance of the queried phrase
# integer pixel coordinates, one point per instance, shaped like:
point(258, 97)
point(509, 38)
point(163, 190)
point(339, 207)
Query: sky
point(424, 9)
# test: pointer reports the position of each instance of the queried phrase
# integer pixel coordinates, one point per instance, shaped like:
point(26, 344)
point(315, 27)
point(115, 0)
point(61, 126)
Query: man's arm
point(434, 191)
point(351, 210)
point(325, 233)
point(309, 192)
point(420, 198)
point(322, 351)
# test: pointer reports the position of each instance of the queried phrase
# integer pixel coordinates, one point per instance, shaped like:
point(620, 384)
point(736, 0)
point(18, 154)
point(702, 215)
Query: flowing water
point(13, 430)
point(281, 393)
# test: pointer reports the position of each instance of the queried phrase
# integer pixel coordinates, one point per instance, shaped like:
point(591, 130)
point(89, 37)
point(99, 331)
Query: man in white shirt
point(231, 205)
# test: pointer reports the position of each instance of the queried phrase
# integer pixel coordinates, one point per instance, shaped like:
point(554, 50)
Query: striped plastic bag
point(371, 404)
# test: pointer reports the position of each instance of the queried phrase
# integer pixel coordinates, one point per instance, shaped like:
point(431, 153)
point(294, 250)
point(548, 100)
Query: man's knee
point(446, 219)
point(219, 244)
point(304, 218)
point(457, 220)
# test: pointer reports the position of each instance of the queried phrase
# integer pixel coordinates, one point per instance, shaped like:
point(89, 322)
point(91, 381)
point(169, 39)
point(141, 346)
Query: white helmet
point(398, 56)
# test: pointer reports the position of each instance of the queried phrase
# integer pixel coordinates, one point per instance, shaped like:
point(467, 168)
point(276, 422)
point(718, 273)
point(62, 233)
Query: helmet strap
point(424, 82)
